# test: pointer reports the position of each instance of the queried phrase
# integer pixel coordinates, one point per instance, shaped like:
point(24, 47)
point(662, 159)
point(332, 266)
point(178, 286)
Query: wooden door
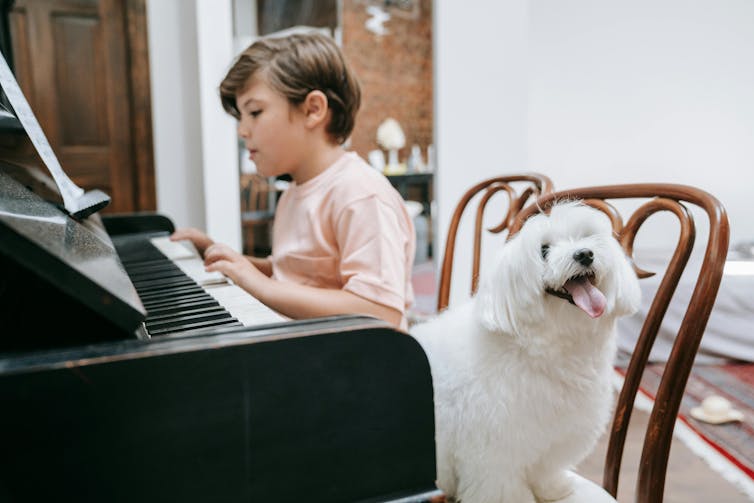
point(82, 64)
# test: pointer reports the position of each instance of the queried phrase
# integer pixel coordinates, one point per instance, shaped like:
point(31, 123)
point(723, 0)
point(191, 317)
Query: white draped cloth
point(730, 331)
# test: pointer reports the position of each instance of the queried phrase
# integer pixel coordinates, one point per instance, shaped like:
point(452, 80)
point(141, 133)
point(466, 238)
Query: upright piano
point(125, 378)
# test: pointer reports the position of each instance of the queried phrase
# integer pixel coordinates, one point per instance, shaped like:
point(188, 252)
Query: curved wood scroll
point(535, 184)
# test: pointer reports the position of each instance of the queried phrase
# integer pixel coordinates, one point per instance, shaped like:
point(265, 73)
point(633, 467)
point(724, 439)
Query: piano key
point(244, 306)
point(162, 284)
point(150, 262)
point(182, 306)
point(168, 314)
point(175, 250)
point(166, 273)
point(241, 304)
point(228, 322)
point(195, 269)
point(184, 319)
point(178, 301)
point(179, 294)
point(166, 294)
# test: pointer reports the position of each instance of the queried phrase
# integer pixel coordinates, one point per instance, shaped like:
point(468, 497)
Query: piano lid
point(76, 258)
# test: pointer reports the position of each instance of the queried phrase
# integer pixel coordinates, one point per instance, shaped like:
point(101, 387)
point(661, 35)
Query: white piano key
point(194, 269)
point(243, 306)
point(175, 250)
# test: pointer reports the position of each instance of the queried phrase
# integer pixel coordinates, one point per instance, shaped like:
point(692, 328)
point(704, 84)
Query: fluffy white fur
point(522, 378)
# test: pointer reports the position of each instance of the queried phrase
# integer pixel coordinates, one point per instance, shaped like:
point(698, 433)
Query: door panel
point(72, 62)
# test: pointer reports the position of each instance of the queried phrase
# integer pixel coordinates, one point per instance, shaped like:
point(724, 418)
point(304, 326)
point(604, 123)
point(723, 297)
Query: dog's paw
point(554, 488)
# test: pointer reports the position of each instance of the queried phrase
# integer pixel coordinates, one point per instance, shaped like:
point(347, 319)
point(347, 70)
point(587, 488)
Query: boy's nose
point(244, 131)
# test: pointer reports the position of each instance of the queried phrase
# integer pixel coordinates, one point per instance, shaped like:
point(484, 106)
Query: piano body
point(101, 399)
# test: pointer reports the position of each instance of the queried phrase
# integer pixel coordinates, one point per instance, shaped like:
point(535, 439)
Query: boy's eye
point(255, 113)
point(545, 251)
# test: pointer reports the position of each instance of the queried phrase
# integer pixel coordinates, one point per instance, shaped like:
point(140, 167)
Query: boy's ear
point(315, 107)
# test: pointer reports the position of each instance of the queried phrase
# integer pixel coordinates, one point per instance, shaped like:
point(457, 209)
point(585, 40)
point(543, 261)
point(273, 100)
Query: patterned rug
point(424, 284)
point(734, 441)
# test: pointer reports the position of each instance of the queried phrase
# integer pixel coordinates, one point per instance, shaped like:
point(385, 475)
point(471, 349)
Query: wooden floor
point(689, 479)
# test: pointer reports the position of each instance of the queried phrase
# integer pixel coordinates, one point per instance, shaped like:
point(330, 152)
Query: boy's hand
point(200, 240)
point(222, 258)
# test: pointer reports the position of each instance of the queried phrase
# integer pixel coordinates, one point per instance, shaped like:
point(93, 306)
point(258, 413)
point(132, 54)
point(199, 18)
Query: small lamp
point(390, 137)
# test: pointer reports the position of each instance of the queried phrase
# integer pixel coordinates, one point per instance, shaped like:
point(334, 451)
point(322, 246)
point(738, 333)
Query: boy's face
point(271, 128)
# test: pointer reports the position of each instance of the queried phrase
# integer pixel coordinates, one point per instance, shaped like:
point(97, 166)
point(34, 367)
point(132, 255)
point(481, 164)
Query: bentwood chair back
point(676, 200)
point(519, 188)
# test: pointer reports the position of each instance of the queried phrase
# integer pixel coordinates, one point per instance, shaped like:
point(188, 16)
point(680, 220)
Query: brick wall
point(395, 72)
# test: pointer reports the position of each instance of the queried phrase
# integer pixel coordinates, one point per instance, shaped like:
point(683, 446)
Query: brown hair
point(294, 66)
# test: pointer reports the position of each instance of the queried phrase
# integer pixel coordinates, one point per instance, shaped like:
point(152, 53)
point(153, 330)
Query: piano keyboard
point(179, 295)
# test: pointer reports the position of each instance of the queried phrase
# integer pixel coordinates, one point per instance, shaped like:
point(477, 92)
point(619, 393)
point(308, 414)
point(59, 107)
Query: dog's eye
point(545, 250)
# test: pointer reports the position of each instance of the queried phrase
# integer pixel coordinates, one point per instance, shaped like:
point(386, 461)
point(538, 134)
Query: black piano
point(96, 406)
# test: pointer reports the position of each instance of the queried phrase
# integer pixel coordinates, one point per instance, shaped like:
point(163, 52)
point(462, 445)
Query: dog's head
point(565, 268)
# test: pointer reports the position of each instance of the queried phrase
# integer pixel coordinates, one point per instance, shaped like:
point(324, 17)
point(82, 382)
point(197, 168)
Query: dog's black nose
point(584, 256)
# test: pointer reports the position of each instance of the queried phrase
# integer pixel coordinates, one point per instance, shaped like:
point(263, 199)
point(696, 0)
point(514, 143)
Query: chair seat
point(586, 491)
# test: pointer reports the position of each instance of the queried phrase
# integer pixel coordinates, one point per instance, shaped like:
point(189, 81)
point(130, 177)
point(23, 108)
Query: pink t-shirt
point(347, 228)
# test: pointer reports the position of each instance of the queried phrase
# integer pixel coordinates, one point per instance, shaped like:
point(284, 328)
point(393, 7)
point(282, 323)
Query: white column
point(214, 23)
point(175, 114)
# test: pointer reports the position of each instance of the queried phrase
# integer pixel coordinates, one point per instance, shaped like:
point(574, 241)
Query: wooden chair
point(257, 212)
point(675, 199)
point(520, 188)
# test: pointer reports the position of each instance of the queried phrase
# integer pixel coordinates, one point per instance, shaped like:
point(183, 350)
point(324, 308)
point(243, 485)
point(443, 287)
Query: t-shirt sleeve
point(374, 239)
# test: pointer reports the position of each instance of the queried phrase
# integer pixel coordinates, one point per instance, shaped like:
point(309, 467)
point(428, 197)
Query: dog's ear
point(510, 297)
point(627, 291)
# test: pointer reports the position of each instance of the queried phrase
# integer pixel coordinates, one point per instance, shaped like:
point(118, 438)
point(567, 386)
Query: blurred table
point(415, 187)
point(418, 187)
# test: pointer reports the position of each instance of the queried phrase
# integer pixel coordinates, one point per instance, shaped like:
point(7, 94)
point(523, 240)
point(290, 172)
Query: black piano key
point(145, 287)
point(136, 248)
point(162, 270)
point(149, 264)
point(232, 322)
point(174, 301)
point(177, 300)
point(157, 274)
point(183, 306)
point(186, 313)
point(186, 319)
point(139, 278)
point(187, 289)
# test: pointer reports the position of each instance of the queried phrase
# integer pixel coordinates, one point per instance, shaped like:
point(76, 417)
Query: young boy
point(342, 241)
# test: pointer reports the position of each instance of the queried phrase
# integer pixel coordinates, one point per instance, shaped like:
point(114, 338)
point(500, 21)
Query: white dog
point(522, 372)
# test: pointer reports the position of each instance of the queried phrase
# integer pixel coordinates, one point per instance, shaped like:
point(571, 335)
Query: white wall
point(195, 148)
point(645, 91)
point(586, 91)
point(592, 91)
point(480, 61)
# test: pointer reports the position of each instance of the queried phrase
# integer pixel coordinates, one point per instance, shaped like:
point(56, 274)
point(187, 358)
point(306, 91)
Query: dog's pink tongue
point(586, 296)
